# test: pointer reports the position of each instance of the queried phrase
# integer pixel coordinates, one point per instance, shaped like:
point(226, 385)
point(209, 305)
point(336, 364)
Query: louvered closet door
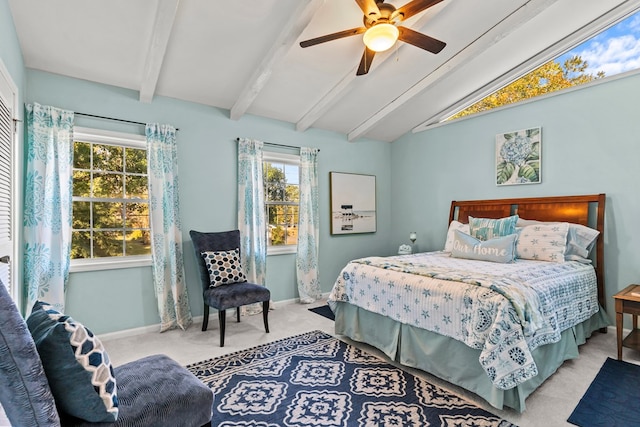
point(7, 96)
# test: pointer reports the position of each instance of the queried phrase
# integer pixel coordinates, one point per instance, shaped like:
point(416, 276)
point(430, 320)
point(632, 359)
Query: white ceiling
point(244, 55)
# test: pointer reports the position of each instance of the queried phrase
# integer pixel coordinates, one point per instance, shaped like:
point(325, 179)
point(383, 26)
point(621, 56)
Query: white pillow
point(455, 225)
point(580, 239)
point(543, 242)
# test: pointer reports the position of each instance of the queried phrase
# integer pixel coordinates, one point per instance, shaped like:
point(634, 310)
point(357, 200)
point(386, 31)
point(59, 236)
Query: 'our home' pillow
point(499, 249)
point(488, 228)
point(543, 242)
point(76, 364)
point(224, 267)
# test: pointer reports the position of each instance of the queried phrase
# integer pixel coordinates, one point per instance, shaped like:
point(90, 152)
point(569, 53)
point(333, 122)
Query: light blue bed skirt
point(454, 361)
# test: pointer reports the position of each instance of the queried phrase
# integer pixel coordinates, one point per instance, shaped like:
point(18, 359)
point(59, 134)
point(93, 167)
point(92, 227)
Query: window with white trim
point(282, 200)
point(111, 226)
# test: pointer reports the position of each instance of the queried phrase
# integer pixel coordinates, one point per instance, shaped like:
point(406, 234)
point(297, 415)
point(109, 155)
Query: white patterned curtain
point(166, 232)
point(251, 215)
point(308, 228)
point(47, 204)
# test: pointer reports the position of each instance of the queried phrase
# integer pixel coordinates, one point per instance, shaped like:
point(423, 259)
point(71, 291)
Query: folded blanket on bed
point(524, 299)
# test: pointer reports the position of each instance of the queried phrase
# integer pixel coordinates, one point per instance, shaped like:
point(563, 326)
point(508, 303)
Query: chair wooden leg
point(222, 317)
point(265, 315)
point(205, 318)
point(238, 313)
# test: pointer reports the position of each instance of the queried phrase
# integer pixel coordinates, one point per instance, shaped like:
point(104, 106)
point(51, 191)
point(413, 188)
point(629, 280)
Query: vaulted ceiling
point(244, 56)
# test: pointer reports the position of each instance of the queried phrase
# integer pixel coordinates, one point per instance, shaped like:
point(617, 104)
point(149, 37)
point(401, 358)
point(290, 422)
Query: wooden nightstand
point(628, 301)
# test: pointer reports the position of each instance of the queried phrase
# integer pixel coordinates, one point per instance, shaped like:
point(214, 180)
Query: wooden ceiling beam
point(288, 36)
point(162, 26)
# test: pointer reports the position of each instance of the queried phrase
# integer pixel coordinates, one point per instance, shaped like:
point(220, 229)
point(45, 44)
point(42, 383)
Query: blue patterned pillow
point(224, 267)
point(488, 228)
point(499, 249)
point(76, 365)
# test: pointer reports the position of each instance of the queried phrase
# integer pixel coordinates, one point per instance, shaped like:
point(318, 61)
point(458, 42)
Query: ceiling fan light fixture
point(381, 37)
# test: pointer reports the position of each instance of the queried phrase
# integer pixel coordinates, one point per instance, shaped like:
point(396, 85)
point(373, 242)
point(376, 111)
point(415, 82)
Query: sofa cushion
point(76, 364)
point(24, 392)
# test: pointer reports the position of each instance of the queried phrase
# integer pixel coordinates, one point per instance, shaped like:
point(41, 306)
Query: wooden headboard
point(586, 210)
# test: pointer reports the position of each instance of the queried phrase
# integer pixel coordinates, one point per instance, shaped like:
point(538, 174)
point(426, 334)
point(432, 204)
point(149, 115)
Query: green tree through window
point(110, 201)
point(281, 184)
point(547, 78)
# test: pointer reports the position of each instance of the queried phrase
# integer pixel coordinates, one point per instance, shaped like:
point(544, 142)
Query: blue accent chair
point(233, 295)
point(153, 391)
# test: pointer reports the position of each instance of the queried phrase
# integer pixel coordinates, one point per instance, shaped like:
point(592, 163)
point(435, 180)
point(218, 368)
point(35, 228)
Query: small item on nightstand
point(404, 250)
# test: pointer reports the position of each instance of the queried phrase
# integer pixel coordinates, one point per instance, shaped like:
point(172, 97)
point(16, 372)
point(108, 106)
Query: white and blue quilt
point(504, 310)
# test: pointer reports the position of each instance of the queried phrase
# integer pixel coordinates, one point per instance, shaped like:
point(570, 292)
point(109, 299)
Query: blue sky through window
point(613, 51)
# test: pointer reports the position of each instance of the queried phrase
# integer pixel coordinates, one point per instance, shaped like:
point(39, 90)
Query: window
point(281, 193)
point(613, 51)
point(110, 200)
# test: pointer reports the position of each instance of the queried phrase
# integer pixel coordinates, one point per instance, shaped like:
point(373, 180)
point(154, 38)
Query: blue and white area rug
point(315, 379)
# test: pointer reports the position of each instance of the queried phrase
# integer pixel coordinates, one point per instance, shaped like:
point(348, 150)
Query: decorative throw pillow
point(455, 225)
point(224, 267)
point(488, 228)
point(580, 239)
point(499, 249)
point(543, 242)
point(76, 365)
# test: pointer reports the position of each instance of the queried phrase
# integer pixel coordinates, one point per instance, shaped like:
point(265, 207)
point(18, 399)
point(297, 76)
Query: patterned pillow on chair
point(224, 267)
point(76, 364)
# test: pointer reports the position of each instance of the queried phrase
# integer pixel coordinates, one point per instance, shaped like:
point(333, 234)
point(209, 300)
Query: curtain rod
point(113, 119)
point(278, 145)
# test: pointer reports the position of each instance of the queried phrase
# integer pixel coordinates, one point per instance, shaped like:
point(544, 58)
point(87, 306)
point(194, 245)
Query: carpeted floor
point(314, 379)
point(612, 399)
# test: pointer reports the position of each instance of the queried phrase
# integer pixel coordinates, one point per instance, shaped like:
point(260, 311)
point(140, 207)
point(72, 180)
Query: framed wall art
point(518, 159)
point(353, 203)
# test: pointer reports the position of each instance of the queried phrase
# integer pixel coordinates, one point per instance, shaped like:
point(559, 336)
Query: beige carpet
point(550, 405)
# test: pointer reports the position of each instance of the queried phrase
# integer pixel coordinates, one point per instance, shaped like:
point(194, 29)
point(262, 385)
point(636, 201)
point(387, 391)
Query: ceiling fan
point(381, 30)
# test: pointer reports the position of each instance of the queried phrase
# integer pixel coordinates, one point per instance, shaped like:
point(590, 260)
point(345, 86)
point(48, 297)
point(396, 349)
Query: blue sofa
point(152, 391)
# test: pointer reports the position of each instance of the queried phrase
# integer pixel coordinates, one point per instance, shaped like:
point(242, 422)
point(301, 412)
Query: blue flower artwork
point(518, 157)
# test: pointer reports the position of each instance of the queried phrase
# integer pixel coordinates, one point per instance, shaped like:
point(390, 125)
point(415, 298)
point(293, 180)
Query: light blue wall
point(10, 52)
point(590, 144)
point(122, 299)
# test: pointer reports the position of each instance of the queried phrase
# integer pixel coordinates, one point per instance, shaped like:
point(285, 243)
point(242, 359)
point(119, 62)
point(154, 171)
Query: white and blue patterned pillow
point(76, 364)
point(543, 242)
point(488, 228)
point(499, 249)
point(580, 239)
point(224, 267)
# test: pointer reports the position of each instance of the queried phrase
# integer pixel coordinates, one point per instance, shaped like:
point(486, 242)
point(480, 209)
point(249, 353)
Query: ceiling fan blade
point(420, 40)
point(365, 62)
point(413, 7)
point(333, 36)
point(369, 8)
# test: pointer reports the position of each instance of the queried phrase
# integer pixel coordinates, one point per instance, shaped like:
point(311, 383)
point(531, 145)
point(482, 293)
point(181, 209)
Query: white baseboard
point(196, 320)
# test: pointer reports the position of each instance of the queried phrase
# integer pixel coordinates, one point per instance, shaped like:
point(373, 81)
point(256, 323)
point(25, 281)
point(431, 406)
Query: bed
point(498, 329)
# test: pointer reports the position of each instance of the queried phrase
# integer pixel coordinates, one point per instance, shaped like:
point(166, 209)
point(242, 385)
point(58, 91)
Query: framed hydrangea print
point(518, 157)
